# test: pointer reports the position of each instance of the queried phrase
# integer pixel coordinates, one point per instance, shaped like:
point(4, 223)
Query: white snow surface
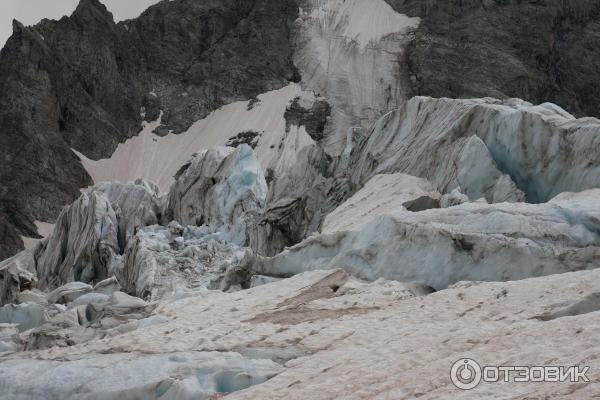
point(157, 159)
point(383, 194)
point(380, 340)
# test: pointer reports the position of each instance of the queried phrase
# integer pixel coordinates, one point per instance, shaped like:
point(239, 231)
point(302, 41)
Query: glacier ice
point(175, 376)
point(136, 204)
point(222, 188)
point(472, 241)
point(357, 71)
point(82, 246)
point(497, 149)
point(17, 274)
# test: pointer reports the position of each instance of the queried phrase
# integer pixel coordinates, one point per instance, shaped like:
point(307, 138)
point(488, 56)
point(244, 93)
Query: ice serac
point(298, 201)
point(83, 244)
point(17, 274)
point(472, 241)
point(351, 52)
point(497, 149)
point(223, 188)
point(383, 194)
point(90, 233)
point(136, 204)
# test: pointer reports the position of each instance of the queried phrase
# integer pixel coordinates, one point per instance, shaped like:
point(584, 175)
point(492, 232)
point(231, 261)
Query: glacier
point(335, 236)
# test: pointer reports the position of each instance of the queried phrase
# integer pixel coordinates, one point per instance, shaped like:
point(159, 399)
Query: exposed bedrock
point(535, 50)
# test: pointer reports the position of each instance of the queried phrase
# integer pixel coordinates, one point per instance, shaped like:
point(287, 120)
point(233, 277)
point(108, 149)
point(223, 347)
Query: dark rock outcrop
point(313, 119)
point(540, 51)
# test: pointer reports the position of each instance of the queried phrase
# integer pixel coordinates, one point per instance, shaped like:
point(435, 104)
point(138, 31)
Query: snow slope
point(157, 159)
point(381, 340)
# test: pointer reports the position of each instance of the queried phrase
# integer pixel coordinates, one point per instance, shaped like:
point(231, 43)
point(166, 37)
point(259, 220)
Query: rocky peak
point(90, 11)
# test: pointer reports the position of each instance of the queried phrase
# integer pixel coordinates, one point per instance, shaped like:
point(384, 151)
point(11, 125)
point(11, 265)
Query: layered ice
point(223, 188)
point(471, 242)
point(497, 149)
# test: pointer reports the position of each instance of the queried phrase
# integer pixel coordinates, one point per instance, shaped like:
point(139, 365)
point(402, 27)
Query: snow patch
point(44, 229)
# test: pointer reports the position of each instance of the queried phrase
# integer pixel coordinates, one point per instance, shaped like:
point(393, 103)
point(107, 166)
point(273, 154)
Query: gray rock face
point(526, 49)
point(86, 83)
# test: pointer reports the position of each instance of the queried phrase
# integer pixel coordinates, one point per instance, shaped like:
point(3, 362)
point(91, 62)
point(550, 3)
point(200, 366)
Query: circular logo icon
point(466, 374)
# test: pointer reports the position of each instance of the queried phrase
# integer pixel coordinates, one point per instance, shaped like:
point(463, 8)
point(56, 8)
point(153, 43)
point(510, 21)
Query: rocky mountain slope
point(259, 199)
